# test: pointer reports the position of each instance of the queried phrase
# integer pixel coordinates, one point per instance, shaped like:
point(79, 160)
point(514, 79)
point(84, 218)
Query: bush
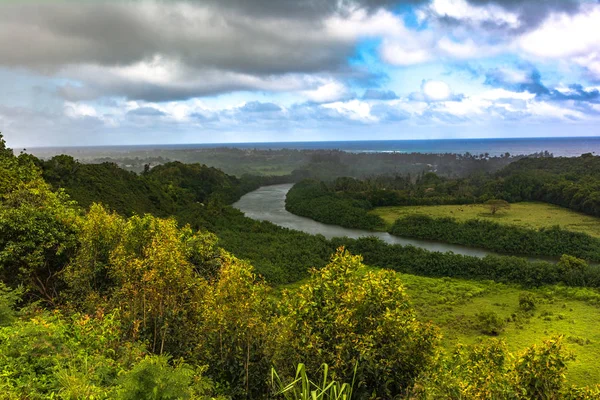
point(490, 323)
point(345, 314)
point(526, 301)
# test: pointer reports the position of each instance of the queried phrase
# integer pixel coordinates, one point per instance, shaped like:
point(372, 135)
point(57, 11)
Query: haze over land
point(86, 73)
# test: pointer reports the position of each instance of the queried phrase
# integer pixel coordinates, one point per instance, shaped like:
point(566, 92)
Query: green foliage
point(343, 316)
point(540, 370)
point(174, 291)
point(150, 268)
point(77, 356)
point(233, 330)
point(474, 372)
point(315, 200)
point(38, 231)
point(416, 261)
point(489, 371)
point(119, 190)
point(153, 378)
point(302, 388)
point(530, 215)
point(527, 301)
point(8, 299)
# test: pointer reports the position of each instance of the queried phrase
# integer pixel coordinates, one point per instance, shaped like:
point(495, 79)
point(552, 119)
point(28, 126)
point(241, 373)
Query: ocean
point(559, 147)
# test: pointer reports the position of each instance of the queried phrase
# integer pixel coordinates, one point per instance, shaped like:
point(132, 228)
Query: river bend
point(267, 203)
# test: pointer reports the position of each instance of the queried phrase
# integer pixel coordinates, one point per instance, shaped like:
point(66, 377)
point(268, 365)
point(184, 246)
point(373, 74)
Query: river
point(268, 204)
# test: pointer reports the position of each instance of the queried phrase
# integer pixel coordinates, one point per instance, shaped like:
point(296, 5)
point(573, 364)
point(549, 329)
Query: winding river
point(268, 204)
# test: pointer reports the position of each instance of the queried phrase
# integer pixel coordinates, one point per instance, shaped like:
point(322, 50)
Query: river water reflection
point(268, 204)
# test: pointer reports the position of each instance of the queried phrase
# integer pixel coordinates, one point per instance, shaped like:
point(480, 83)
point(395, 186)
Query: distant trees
point(508, 239)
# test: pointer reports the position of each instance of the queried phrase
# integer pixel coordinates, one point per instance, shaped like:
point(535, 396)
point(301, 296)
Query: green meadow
point(453, 306)
point(528, 214)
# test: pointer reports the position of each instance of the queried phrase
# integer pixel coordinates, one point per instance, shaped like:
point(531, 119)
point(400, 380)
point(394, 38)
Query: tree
point(496, 205)
point(232, 333)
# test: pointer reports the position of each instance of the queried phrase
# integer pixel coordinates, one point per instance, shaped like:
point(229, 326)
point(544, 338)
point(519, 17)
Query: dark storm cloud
point(253, 36)
point(91, 43)
point(52, 35)
point(305, 8)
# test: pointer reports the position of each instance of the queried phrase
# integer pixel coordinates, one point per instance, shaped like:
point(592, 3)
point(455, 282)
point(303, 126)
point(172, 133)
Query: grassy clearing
point(528, 215)
point(453, 305)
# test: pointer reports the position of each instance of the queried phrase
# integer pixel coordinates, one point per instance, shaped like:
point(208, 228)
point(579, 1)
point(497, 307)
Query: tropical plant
point(303, 388)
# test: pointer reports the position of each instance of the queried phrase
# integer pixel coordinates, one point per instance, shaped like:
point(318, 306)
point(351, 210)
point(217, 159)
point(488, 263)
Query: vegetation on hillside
point(101, 304)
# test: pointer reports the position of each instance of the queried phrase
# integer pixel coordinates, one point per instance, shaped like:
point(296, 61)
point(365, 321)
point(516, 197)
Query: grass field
point(529, 215)
point(452, 305)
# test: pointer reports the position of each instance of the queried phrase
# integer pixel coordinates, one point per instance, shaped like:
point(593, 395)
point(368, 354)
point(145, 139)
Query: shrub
point(490, 323)
point(526, 301)
point(343, 315)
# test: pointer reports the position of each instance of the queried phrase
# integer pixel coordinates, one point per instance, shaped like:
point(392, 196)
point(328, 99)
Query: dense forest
point(123, 286)
point(316, 163)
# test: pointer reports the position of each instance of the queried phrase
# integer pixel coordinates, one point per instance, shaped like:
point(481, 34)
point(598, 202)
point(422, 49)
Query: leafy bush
point(344, 315)
point(489, 371)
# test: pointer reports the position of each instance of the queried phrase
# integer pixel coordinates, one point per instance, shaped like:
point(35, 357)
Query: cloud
point(175, 50)
point(146, 112)
point(432, 91)
point(531, 13)
point(389, 112)
point(509, 17)
point(328, 92)
point(373, 94)
point(258, 107)
point(522, 80)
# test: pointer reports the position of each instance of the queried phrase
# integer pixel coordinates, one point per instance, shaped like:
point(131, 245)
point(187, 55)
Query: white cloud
point(397, 53)
point(79, 110)
point(553, 111)
point(353, 109)
point(327, 92)
point(568, 37)
point(436, 90)
point(565, 35)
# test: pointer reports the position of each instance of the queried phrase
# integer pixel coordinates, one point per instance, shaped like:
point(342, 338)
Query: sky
point(218, 71)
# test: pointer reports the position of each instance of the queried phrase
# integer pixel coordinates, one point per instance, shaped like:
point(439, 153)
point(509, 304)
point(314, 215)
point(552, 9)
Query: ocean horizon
point(558, 146)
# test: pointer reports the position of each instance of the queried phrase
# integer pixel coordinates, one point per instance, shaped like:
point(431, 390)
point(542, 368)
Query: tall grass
point(302, 388)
